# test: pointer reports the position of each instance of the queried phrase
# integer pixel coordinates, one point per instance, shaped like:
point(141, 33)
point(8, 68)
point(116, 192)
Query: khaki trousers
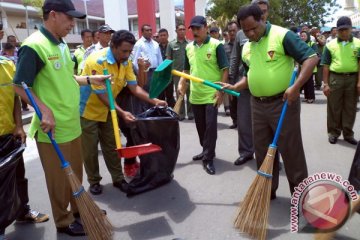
point(57, 182)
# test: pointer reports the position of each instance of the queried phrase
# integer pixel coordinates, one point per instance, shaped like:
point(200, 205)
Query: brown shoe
point(33, 217)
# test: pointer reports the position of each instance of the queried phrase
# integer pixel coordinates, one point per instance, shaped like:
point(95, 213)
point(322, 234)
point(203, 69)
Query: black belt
point(344, 74)
point(269, 99)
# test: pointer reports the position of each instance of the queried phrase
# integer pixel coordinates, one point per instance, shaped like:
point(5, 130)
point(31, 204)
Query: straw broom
point(178, 104)
point(95, 222)
point(253, 212)
point(330, 235)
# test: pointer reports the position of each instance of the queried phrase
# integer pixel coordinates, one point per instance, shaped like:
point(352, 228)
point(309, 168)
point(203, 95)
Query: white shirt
point(330, 38)
point(90, 50)
point(147, 49)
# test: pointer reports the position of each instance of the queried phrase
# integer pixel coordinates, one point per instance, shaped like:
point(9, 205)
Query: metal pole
point(87, 19)
point(27, 20)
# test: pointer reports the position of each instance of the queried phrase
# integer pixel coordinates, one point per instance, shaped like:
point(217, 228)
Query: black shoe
point(243, 159)
point(95, 189)
point(332, 139)
point(74, 229)
point(181, 118)
point(190, 117)
point(233, 126)
point(122, 185)
point(198, 157)
point(209, 166)
point(351, 140)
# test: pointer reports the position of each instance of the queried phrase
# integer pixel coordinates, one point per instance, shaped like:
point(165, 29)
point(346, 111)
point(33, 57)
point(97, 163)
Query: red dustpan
point(126, 152)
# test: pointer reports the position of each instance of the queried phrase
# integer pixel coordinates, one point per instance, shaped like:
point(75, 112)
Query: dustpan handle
point(64, 163)
point(283, 112)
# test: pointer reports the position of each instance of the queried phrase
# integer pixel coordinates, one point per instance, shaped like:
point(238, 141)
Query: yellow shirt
point(7, 96)
point(91, 107)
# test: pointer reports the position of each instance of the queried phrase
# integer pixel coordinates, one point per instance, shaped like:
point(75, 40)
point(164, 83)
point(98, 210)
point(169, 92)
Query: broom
point(252, 214)
point(330, 235)
point(95, 223)
point(178, 104)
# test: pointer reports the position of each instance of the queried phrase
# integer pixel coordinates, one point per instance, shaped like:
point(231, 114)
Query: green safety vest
point(79, 55)
point(344, 58)
point(270, 69)
point(203, 64)
point(55, 86)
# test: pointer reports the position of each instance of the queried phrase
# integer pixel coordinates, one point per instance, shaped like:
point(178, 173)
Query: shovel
point(162, 77)
point(126, 152)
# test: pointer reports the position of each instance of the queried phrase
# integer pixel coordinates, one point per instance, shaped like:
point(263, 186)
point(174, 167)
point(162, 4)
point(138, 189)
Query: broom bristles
point(178, 104)
point(95, 222)
point(252, 214)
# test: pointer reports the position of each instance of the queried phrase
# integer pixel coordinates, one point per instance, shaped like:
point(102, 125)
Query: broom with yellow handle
point(95, 223)
point(330, 235)
point(252, 215)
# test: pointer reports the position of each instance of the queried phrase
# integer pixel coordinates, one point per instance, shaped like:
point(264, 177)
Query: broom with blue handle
point(253, 212)
point(95, 223)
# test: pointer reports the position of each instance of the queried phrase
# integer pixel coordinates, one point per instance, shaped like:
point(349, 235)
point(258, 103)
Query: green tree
point(34, 3)
point(282, 12)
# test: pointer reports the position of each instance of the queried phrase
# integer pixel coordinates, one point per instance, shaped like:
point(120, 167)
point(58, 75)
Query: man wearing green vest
point(268, 60)
point(205, 58)
point(340, 74)
point(86, 37)
point(45, 65)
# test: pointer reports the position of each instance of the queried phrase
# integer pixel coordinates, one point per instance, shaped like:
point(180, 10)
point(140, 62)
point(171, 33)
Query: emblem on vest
point(208, 55)
point(57, 65)
point(271, 54)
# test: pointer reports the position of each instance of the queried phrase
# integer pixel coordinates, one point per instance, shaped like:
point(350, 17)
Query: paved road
point(196, 205)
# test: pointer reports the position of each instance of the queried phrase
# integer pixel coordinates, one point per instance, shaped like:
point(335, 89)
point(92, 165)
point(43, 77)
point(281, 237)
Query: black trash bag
point(10, 204)
point(354, 176)
point(158, 125)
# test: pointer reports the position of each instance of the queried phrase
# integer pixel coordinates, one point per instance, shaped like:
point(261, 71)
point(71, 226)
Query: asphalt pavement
point(196, 205)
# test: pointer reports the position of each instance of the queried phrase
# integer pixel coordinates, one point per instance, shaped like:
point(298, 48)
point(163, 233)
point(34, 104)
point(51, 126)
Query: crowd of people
point(244, 60)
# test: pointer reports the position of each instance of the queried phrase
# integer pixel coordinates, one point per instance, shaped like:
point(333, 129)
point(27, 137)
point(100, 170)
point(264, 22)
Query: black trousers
point(205, 116)
point(309, 91)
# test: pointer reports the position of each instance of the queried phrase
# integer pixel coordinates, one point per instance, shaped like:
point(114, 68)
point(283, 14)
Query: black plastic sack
point(158, 125)
point(10, 154)
point(354, 176)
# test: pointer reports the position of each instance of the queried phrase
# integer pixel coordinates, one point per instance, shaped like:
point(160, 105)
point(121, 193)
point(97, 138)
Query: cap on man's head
point(260, 2)
point(343, 23)
point(214, 29)
point(105, 28)
point(198, 21)
point(65, 6)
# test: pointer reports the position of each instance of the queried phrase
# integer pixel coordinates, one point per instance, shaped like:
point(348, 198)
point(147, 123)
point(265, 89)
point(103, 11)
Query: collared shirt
point(147, 49)
point(236, 66)
point(78, 58)
point(269, 62)
point(45, 65)
point(7, 71)
point(91, 107)
point(205, 61)
point(330, 38)
point(342, 56)
point(93, 48)
point(163, 50)
point(176, 52)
